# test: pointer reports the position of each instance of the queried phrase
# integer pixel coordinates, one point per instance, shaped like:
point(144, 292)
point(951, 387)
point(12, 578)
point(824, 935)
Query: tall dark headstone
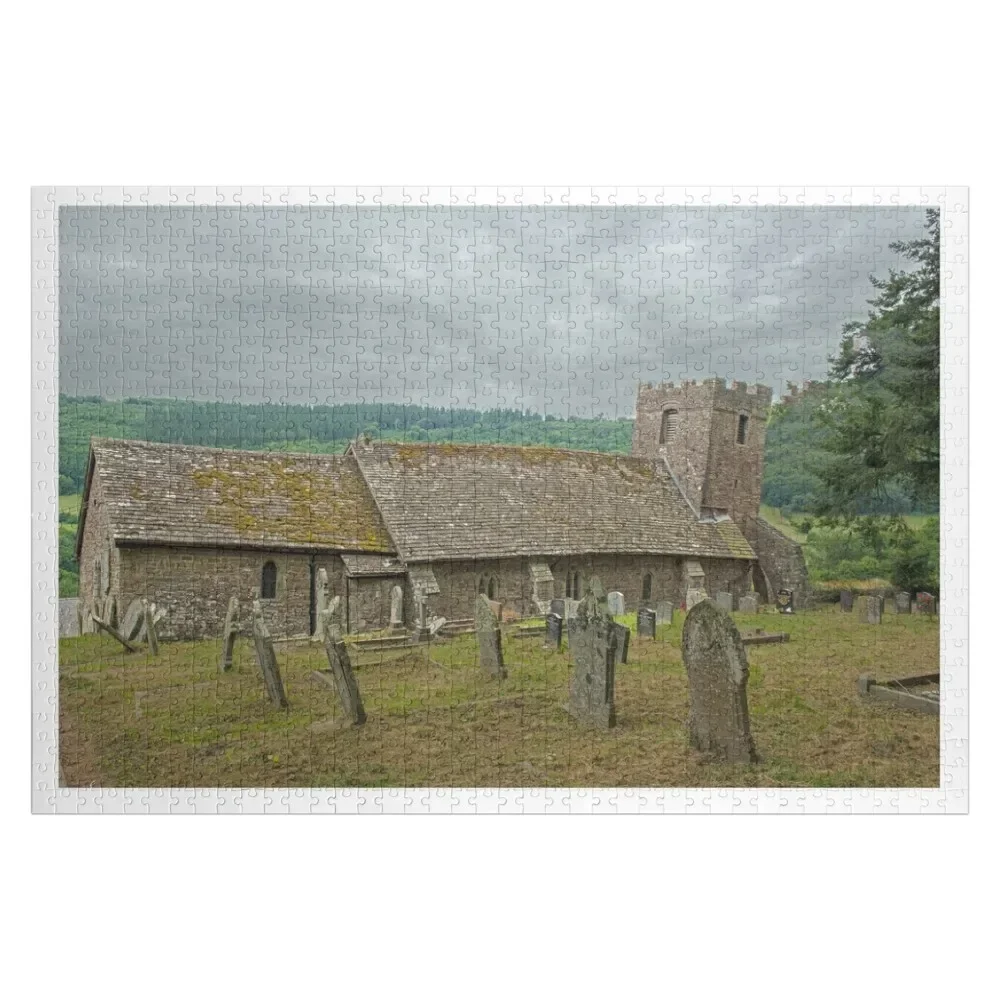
point(846, 600)
point(624, 636)
point(645, 623)
point(553, 630)
point(488, 634)
point(592, 641)
point(717, 670)
point(558, 607)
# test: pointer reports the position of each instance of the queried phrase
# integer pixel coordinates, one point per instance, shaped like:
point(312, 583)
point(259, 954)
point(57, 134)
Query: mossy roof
point(451, 501)
point(186, 495)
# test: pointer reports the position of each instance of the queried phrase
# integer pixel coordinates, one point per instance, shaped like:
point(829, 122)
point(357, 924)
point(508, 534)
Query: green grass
point(69, 503)
point(434, 717)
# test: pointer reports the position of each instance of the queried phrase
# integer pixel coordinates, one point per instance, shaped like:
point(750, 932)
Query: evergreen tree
point(883, 415)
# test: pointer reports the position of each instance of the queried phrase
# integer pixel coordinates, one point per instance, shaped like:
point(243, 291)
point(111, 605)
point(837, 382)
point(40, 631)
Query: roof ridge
point(170, 445)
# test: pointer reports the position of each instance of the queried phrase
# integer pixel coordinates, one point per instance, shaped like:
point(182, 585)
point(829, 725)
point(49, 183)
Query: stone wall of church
point(459, 581)
point(194, 586)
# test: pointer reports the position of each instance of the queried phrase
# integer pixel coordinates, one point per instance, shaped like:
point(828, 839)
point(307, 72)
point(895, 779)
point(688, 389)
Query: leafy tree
point(882, 417)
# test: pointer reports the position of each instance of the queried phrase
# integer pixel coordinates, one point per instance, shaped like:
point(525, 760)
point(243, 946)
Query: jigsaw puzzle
point(518, 500)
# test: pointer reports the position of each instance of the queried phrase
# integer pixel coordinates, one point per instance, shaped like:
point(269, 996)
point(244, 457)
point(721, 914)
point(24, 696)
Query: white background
point(534, 94)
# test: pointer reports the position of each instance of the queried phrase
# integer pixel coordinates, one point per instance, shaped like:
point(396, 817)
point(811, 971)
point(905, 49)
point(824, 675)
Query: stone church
point(189, 527)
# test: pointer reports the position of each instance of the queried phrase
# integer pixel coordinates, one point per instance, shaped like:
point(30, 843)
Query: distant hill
point(274, 427)
point(793, 438)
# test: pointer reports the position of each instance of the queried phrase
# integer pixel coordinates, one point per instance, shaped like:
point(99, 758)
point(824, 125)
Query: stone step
point(382, 642)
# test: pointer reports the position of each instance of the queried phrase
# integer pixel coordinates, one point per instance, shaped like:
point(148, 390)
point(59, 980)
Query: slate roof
point(184, 495)
point(444, 501)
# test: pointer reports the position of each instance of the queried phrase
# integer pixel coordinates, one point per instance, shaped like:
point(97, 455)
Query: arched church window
point(268, 581)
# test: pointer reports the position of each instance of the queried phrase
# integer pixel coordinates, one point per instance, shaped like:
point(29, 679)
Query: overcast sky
point(561, 310)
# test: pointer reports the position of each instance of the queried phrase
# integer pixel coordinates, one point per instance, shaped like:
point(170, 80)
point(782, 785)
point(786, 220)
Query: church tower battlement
point(712, 437)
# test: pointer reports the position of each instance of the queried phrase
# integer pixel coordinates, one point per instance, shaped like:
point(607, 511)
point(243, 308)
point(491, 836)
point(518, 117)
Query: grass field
point(435, 719)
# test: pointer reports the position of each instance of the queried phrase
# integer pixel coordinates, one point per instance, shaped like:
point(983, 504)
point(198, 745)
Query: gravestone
point(266, 660)
point(846, 600)
point(150, 628)
point(624, 636)
point(132, 621)
point(557, 606)
point(694, 598)
point(871, 608)
point(592, 641)
point(571, 607)
point(717, 670)
point(664, 613)
point(319, 604)
point(616, 602)
point(423, 630)
point(902, 603)
point(925, 603)
point(553, 630)
point(396, 608)
point(488, 634)
point(229, 632)
point(786, 602)
point(113, 632)
point(725, 601)
point(646, 623)
point(340, 676)
point(750, 604)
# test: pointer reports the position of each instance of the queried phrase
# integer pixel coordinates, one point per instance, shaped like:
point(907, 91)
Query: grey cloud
point(558, 309)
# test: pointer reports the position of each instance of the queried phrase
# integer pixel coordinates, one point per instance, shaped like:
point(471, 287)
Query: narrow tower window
point(668, 426)
point(268, 581)
point(647, 586)
point(741, 430)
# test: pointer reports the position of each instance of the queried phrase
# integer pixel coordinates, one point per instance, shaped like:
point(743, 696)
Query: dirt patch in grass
point(434, 718)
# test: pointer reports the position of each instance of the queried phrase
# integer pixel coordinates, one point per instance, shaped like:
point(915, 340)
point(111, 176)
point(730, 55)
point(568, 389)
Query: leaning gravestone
point(717, 670)
point(616, 602)
point(488, 634)
point(925, 603)
point(266, 659)
point(553, 630)
point(846, 600)
point(132, 622)
point(340, 676)
point(871, 608)
point(725, 601)
point(749, 604)
point(592, 640)
point(645, 623)
point(902, 603)
point(229, 632)
point(664, 613)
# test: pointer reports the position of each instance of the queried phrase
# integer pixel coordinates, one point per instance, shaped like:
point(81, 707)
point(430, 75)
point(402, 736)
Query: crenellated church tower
point(712, 438)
